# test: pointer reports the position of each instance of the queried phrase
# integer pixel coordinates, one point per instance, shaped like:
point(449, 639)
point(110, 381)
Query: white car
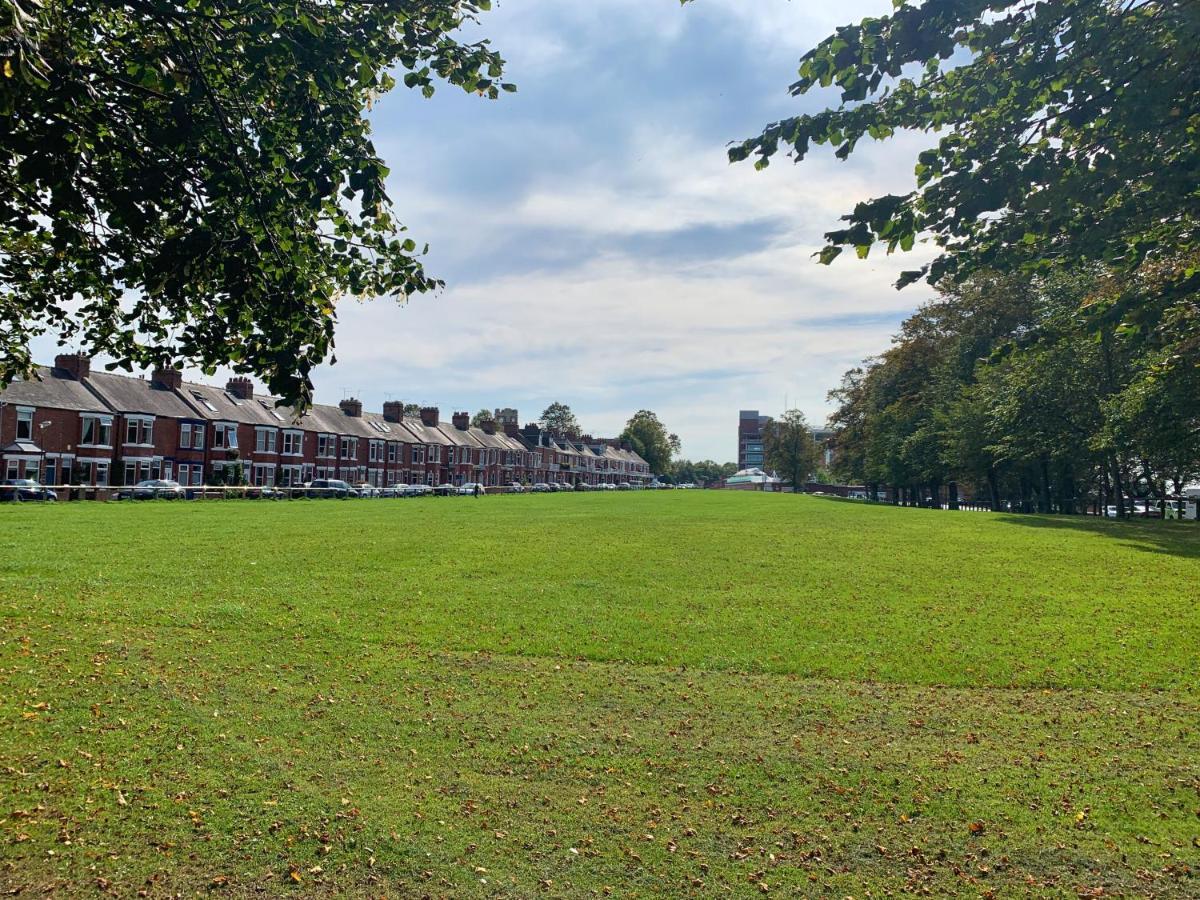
point(469, 488)
point(368, 490)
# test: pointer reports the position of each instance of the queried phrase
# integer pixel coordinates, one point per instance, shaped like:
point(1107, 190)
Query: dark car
point(329, 487)
point(22, 489)
point(153, 489)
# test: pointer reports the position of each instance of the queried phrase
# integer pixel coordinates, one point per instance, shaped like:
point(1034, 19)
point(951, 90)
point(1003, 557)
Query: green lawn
point(647, 693)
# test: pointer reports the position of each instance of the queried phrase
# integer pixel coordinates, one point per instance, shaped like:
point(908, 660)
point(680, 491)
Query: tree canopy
point(789, 448)
point(1070, 133)
point(194, 181)
point(703, 472)
point(557, 417)
point(651, 440)
point(481, 418)
point(1007, 387)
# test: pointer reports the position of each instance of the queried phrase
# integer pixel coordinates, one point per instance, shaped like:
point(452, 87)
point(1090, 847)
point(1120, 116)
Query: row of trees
point(1040, 394)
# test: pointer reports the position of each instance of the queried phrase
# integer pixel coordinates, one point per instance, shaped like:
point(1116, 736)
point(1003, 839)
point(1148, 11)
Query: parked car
point(322, 488)
point(393, 490)
point(565, 486)
point(22, 489)
point(266, 493)
point(583, 486)
point(368, 490)
point(609, 486)
point(514, 487)
point(542, 488)
point(468, 488)
point(445, 489)
point(417, 490)
point(154, 489)
point(624, 486)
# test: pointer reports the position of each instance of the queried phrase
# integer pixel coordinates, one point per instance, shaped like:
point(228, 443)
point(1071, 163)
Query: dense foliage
point(557, 417)
point(790, 449)
point(651, 441)
point(1009, 386)
point(1070, 132)
point(703, 472)
point(194, 180)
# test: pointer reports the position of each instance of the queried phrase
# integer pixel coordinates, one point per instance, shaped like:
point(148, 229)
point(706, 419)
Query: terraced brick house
point(73, 426)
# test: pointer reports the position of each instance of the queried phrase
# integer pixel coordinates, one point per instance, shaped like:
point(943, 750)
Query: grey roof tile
point(55, 390)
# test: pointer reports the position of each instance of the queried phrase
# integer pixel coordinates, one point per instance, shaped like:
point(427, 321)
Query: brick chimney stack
point(241, 387)
point(461, 420)
point(167, 377)
point(352, 407)
point(429, 415)
point(76, 365)
point(489, 426)
point(393, 411)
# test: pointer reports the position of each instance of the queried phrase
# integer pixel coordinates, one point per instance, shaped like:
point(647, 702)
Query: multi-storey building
point(74, 426)
point(750, 439)
point(751, 448)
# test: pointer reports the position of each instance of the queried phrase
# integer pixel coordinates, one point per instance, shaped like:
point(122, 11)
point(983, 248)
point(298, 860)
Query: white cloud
point(618, 326)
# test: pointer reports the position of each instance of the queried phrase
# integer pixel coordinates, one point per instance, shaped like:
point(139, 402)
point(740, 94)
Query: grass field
point(655, 693)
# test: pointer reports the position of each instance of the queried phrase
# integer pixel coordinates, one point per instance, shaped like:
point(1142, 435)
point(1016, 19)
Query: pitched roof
point(53, 389)
point(383, 430)
point(219, 405)
point(460, 437)
point(126, 394)
point(425, 433)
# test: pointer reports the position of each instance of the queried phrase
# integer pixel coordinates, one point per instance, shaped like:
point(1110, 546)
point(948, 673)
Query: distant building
point(751, 429)
point(752, 479)
point(824, 441)
point(750, 439)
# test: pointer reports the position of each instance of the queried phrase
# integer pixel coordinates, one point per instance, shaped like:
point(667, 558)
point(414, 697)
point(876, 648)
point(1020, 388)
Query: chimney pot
point(429, 415)
point(167, 377)
point(489, 426)
point(241, 387)
point(461, 420)
point(77, 365)
point(393, 411)
point(352, 407)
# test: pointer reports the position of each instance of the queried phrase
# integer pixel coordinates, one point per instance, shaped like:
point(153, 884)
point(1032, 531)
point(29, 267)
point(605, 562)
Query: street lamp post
point(42, 426)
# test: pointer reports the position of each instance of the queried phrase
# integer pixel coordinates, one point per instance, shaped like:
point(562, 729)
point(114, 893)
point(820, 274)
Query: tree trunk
point(1044, 505)
point(1067, 501)
point(993, 489)
point(1118, 487)
point(952, 488)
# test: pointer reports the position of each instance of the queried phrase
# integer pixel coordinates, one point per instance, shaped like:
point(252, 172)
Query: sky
point(597, 247)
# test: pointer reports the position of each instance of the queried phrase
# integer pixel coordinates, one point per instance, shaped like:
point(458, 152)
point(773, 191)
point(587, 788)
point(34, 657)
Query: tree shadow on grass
point(1150, 535)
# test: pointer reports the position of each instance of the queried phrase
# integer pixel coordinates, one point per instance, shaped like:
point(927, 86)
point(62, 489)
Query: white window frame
point(265, 439)
point(101, 425)
point(225, 431)
point(143, 428)
point(25, 417)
